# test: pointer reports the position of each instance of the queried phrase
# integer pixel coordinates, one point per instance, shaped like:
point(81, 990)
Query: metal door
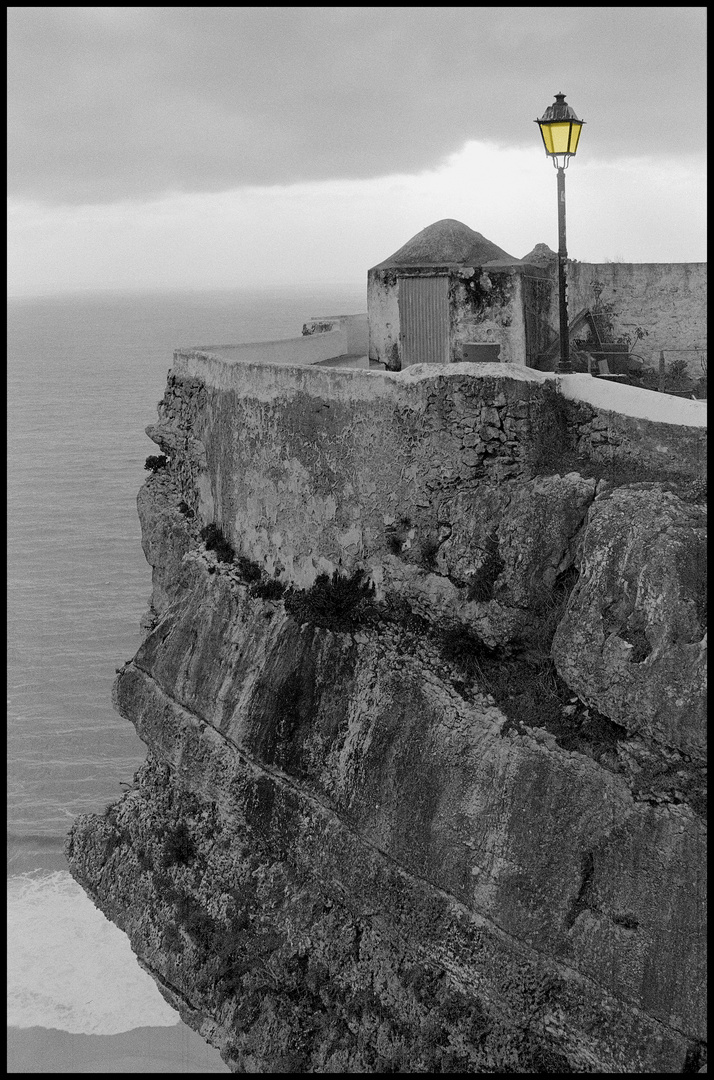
point(424, 320)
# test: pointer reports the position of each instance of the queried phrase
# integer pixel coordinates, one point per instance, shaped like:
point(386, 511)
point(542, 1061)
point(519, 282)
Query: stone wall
point(306, 468)
point(308, 349)
point(668, 300)
point(353, 327)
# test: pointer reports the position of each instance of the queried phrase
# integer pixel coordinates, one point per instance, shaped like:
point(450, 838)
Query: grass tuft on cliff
point(333, 602)
point(155, 462)
point(268, 590)
point(214, 540)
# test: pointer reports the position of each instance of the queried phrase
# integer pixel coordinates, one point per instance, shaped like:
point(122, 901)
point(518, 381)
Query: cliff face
point(451, 821)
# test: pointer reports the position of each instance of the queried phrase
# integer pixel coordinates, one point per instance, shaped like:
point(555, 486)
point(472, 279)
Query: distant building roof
point(541, 255)
point(447, 243)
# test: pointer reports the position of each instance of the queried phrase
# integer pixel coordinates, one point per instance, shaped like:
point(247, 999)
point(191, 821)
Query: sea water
point(85, 373)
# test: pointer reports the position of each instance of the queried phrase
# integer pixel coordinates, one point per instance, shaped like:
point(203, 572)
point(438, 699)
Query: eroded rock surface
point(396, 834)
point(633, 640)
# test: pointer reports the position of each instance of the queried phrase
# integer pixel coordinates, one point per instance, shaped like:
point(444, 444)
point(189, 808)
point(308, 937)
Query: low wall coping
point(632, 400)
point(222, 371)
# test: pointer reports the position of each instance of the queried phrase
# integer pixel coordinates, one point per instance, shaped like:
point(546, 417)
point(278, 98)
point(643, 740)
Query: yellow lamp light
point(560, 129)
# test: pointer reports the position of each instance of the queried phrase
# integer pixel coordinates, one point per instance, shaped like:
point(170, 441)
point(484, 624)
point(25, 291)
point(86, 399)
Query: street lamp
point(561, 129)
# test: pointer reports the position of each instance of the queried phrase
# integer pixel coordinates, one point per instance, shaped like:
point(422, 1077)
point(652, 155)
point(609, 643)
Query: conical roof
point(447, 243)
point(541, 255)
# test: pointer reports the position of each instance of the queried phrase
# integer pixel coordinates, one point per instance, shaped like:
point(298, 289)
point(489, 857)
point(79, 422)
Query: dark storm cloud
point(112, 103)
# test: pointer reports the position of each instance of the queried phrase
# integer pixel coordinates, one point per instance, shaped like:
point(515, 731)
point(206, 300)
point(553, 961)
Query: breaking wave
point(70, 968)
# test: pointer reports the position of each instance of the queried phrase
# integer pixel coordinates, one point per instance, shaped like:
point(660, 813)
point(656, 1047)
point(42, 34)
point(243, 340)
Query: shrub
point(154, 462)
point(677, 376)
point(553, 442)
point(333, 602)
point(463, 649)
point(396, 609)
point(216, 541)
point(268, 590)
point(249, 570)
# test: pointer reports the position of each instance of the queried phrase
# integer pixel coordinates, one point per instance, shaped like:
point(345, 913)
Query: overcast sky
point(220, 147)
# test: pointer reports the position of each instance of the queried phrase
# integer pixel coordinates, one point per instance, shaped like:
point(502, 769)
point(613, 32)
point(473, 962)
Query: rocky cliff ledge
point(424, 711)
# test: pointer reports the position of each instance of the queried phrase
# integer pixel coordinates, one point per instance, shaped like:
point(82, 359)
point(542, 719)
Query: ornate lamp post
point(561, 129)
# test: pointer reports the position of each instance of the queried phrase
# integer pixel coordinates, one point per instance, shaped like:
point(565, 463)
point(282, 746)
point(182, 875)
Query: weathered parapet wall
point(308, 349)
point(307, 468)
point(354, 328)
point(668, 300)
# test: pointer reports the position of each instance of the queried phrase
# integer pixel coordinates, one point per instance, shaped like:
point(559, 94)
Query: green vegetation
point(260, 585)
point(465, 651)
point(268, 590)
point(678, 378)
point(214, 540)
point(553, 440)
point(155, 462)
point(250, 571)
point(334, 603)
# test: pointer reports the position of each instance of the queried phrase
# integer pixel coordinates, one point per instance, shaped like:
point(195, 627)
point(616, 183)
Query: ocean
point(85, 372)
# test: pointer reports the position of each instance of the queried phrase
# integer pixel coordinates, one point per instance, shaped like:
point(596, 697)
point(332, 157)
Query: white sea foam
point(69, 967)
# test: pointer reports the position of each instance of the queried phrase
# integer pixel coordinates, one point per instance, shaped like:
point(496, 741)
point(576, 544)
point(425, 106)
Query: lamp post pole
point(564, 365)
point(560, 130)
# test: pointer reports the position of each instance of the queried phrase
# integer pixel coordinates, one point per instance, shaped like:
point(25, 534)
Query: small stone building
point(449, 287)
point(445, 288)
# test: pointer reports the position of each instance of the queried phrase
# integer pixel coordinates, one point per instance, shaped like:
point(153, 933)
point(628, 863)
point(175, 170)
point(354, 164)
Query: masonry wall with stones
point(307, 469)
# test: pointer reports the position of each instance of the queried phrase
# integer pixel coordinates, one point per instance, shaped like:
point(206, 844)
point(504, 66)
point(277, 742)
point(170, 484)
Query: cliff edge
point(422, 687)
